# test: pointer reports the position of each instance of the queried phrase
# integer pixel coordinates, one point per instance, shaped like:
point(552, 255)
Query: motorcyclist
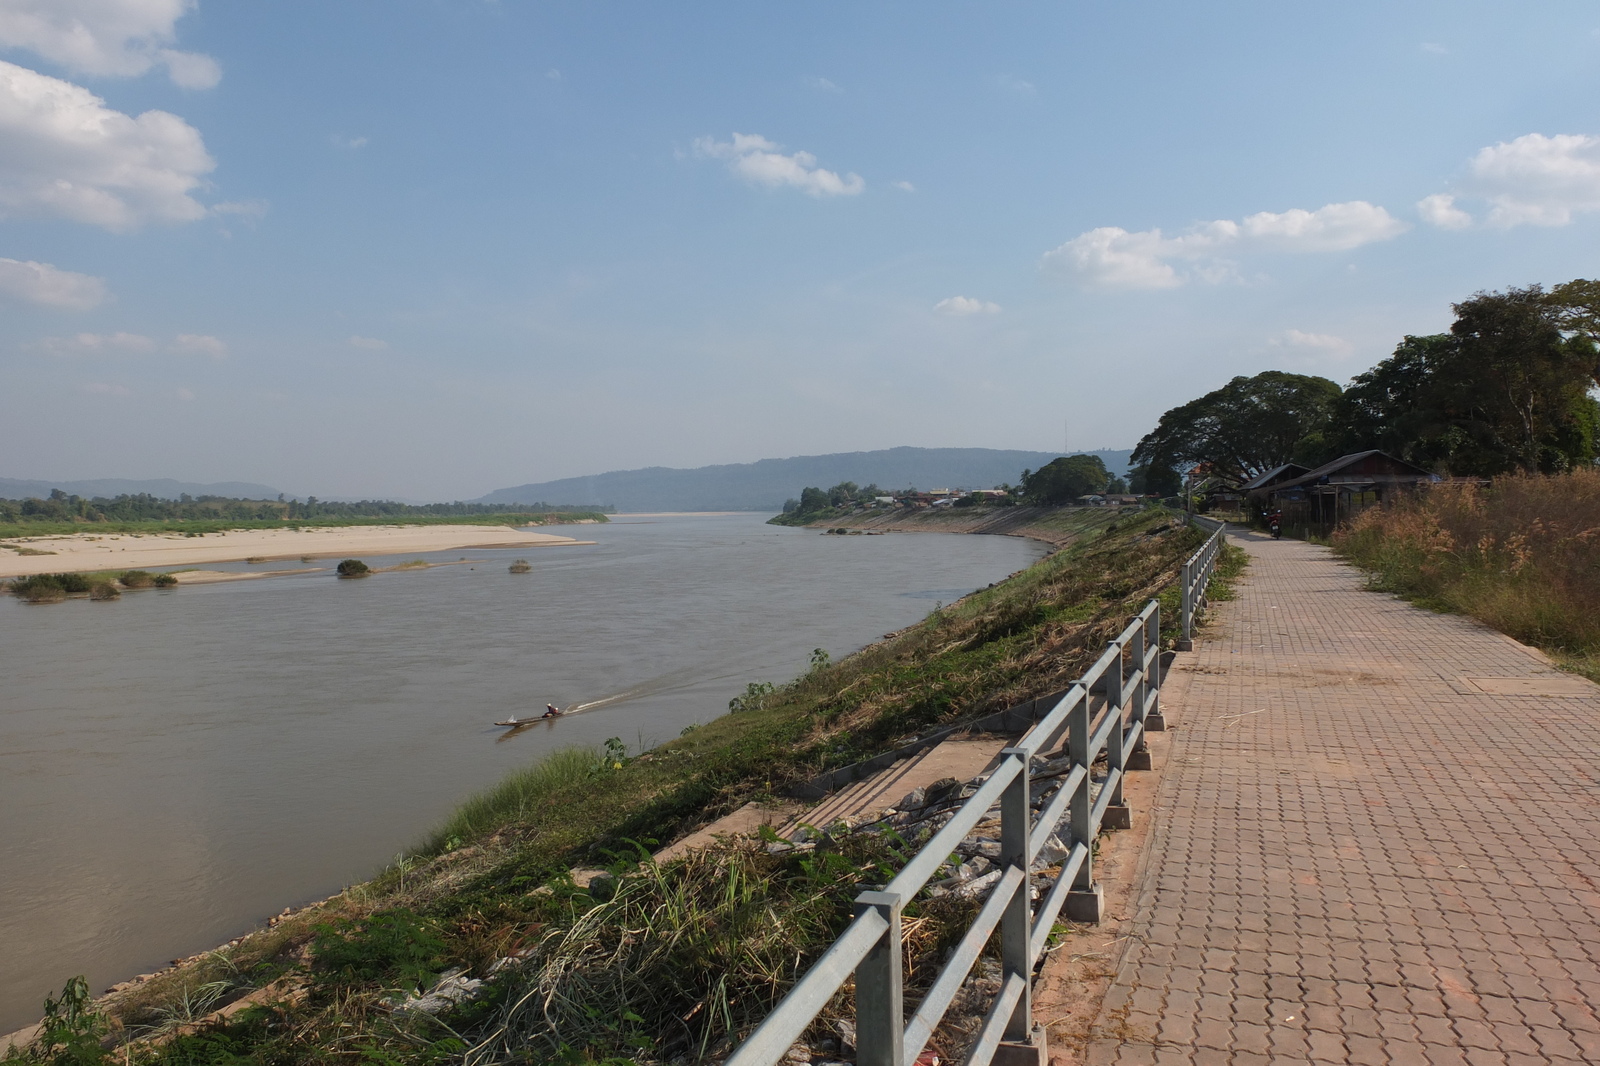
point(1275, 523)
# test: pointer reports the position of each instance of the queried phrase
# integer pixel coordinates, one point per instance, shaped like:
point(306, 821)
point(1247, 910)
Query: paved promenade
point(1377, 840)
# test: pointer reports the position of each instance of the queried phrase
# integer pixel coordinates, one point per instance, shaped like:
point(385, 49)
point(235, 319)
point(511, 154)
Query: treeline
point(1507, 389)
point(1058, 482)
point(60, 507)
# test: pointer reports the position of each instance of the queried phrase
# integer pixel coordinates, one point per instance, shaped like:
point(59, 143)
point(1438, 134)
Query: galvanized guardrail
point(1196, 578)
point(1107, 710)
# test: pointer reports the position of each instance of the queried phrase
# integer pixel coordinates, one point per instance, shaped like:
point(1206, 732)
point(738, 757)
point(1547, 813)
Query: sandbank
point(143, 551)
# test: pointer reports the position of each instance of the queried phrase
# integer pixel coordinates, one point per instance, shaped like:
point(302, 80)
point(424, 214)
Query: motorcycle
point(1275, 527)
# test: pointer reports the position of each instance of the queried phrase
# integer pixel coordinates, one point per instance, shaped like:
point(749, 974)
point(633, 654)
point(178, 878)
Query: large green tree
point(1064, 480)
point(1506, 389)
point(1245, 428)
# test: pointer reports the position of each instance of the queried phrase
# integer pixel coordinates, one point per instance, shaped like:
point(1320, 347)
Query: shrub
point(393, 948)
point(137, 579)
point(755, 697)
point(48, 588)
point(521, 566)
point(105, 590)
point(256, 559)
point(353, 568)
point(40, 588)
point(72, 1029)
point(165, 581)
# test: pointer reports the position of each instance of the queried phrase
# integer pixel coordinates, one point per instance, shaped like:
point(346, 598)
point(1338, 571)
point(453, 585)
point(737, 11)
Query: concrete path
point(1377, 840)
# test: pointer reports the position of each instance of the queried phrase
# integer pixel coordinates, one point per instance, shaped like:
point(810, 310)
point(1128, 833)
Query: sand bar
point(140, 551)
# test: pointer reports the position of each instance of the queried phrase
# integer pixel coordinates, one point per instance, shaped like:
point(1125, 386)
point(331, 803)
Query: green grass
point(519, 798)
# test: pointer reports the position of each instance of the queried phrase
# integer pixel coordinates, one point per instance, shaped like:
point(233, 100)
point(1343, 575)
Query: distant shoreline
point(133, 551)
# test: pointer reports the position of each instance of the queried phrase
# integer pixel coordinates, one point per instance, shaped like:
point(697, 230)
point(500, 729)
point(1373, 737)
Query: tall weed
point(1521, 554)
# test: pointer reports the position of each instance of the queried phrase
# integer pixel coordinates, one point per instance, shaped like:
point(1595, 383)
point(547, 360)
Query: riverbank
point(144, 551)
point(498, 884)
point(1056, 526)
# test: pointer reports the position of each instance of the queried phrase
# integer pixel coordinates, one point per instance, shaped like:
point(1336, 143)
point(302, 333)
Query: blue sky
point(427, 248)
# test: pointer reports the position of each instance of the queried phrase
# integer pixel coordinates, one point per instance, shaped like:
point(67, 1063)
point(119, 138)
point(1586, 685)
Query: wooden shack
point(1337, 491)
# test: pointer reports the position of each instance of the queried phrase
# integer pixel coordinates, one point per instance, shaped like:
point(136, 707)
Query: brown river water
point(178, 765)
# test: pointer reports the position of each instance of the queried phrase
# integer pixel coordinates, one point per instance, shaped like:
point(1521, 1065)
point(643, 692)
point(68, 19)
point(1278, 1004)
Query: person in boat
point(550, 711)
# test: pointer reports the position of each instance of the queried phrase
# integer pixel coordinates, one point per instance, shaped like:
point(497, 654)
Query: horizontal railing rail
point(1195, 579)
point(1106, 711)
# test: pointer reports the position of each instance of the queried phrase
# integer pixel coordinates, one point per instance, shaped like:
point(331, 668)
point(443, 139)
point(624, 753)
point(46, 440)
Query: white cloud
point(823, 85)
point(120, 344)
point(107, 37)
point(1440, 210)
point(1539, 180)
point(48, 286)
point(1435, 49)
point(1294, 338)
point(965, 305)
point(904, 186)
point(185, 394)
point(69, 156)
point(351, 143)
point(98, 344)
point(247, 208)
point(199, 344)
point(1115, 258)
point(1334, 228)
point(553, 74)
point(372, 344)
point(1016, 85)
point(103, 388)
point(757, 159)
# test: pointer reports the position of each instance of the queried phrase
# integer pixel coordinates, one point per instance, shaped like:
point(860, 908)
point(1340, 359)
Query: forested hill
point(765, 485)
point(162, 488)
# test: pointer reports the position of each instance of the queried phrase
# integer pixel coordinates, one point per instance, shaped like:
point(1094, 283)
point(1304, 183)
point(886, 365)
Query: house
point(1262, 483)
point(1339, 490)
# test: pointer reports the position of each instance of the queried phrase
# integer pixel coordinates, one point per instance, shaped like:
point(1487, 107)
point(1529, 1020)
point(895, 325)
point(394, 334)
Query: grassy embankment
point(1521, 555)
point(200, 527)
point(657, 963)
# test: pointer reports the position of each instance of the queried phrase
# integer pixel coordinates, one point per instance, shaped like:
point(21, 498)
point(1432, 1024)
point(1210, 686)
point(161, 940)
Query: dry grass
point(1521, 554)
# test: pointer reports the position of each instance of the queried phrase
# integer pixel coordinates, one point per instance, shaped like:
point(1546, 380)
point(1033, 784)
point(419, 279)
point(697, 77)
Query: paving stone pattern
point(1356, 856)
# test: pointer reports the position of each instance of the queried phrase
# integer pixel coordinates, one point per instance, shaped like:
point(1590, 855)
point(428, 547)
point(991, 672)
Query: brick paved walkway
point(1358, 854)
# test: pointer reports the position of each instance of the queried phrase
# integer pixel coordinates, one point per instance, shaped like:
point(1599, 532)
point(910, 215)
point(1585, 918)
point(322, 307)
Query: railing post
point(1155, 719)
point(1084, 901)
point(1016, 925)
point(1185, 643)
point(1139, 757)
point(1115, 680)
point(880, 997)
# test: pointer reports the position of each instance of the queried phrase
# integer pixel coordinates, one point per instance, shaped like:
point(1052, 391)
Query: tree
point(1245, 428)
point(1064, 480)
point(1506, 389)
point(813, 500)
point(1153, 479)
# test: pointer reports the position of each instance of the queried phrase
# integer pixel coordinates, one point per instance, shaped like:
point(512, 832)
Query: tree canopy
point(1064, 480)
point(1245, 428)
point(1506, 389)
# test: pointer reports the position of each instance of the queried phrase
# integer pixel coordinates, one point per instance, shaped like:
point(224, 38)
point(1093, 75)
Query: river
point(178, 765)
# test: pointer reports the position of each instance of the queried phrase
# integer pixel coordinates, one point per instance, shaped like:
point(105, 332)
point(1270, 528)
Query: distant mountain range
point(765, 485)
point(162, 487)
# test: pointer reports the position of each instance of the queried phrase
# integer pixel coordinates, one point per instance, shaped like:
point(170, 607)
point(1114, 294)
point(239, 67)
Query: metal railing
point(1104, 711)
point(1196, 578)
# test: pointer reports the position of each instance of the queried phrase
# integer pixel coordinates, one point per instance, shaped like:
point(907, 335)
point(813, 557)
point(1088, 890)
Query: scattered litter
point(452, 988)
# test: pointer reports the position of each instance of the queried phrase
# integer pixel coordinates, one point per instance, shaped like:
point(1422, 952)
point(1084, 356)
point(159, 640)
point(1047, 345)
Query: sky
point(429, 248)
